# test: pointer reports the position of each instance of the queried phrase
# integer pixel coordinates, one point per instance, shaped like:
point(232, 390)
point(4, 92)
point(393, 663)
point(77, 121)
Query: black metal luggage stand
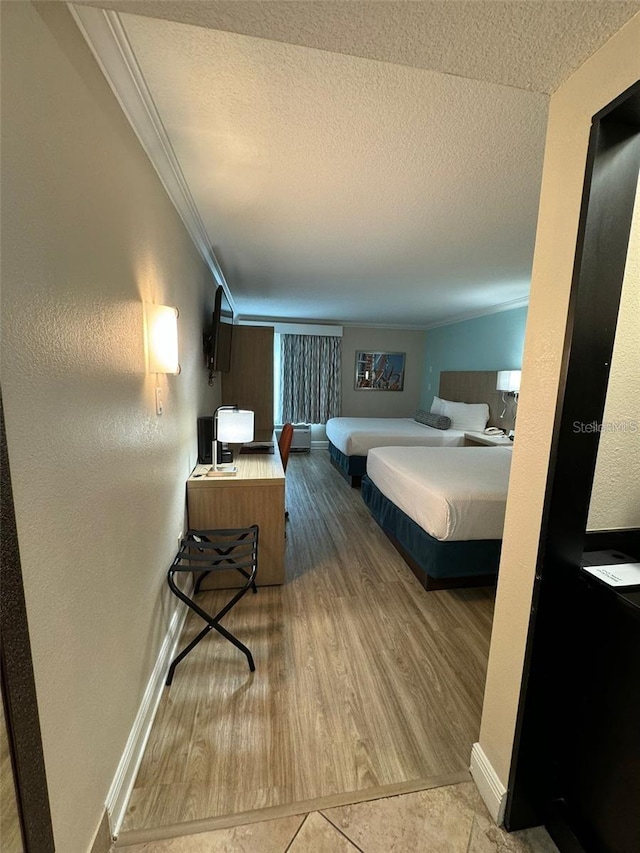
point(207, 551)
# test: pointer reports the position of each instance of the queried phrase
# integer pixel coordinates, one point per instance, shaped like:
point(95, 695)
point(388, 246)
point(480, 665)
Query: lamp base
point(231, 471)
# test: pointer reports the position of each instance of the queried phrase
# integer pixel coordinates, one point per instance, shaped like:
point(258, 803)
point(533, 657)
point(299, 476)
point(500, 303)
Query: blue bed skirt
point(351, 467)
point(473, 561)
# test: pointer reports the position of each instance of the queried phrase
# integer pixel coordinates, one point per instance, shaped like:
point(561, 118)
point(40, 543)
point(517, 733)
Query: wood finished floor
point(362, 678)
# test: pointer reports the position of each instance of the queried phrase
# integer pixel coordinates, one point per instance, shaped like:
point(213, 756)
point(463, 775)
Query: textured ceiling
point(343, 188)
point(529, 44)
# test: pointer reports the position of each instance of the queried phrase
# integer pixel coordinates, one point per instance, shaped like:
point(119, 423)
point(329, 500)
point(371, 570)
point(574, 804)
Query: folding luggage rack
point(207, 551)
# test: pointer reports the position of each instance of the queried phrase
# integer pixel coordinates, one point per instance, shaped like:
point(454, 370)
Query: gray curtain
point(310, 378)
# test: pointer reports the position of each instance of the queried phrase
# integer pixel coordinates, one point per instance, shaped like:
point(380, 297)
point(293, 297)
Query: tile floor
point(451, 819)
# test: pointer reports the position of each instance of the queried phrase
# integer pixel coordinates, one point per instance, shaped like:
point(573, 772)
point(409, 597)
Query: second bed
point(442, 507)
point(351, 439)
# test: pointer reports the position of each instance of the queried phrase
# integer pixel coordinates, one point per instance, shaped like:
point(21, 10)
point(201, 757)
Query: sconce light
point(162, 338)
point(508, 383)
point(231, 425)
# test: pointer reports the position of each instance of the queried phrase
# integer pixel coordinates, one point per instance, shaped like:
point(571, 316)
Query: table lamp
point(231, 425)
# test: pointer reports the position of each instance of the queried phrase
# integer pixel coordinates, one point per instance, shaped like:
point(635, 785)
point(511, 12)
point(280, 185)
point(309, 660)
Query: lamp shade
point(162, 337)
point(508, 380)
point(235, 426)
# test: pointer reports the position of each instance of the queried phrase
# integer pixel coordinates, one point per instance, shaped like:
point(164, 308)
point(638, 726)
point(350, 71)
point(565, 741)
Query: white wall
point(610, 71)
point(382, 404)
point(88, 235)
point(615, 499)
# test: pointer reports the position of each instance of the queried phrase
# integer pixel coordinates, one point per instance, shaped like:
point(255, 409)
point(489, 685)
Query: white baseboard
point(319, 444)
point(491, 789)
point(122, 785)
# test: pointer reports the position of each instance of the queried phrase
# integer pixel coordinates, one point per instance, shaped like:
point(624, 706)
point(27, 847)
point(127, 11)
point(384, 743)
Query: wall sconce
point(231, 425)
point(162, 338)
point(508, 383)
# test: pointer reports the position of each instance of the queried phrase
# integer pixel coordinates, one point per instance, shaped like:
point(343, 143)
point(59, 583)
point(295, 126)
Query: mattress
point(453, 493)
point(434, 563)
point(356, 436)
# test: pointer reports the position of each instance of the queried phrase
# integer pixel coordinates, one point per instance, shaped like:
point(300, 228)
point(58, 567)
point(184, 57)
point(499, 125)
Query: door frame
point(606, 214)
point(18, 682)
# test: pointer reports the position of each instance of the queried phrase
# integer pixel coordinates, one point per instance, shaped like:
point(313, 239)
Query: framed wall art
point(380, 371)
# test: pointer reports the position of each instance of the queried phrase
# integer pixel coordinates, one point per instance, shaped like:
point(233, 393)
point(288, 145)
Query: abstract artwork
point(380, 371)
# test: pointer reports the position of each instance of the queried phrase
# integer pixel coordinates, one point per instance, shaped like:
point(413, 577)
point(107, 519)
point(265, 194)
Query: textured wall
point(615, 500)
point(382, 404)
point(494, 342)
point(88, 234)
point(608, 73)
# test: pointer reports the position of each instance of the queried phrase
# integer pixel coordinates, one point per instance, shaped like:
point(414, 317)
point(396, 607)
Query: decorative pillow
point(432, 419)
point(471, 416)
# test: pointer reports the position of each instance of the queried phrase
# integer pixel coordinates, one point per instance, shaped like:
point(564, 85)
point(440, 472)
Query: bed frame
point(352, 468)
point(463, 386)
point(437, 565)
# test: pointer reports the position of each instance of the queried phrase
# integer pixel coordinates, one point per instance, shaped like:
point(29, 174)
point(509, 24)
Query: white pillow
point(471, 416)
point(436, 406)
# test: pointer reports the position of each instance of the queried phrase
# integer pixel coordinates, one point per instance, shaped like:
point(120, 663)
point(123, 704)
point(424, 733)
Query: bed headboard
point(478, 386)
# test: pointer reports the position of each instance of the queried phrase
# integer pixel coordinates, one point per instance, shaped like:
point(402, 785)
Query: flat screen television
point(217, 340)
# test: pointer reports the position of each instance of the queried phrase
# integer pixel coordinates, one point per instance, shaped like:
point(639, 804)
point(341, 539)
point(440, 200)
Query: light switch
point(158, 401)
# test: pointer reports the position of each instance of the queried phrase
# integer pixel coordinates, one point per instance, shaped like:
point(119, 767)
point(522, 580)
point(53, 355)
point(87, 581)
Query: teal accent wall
point(494, 342)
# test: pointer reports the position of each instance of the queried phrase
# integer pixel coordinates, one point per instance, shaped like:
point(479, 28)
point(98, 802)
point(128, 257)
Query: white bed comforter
point(356, 436)
point(454, 493)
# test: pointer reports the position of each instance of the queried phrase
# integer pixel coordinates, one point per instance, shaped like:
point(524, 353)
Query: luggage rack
point(207, 551)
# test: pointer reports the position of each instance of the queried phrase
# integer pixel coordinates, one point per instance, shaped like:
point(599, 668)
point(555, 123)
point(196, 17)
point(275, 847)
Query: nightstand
point(480, 439)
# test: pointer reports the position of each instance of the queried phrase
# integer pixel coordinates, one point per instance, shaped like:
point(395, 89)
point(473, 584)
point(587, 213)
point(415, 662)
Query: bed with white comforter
point(444, 507)
point(351, 439)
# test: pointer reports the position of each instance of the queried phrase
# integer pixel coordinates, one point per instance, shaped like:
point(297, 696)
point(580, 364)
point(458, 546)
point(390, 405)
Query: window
point(308, 378)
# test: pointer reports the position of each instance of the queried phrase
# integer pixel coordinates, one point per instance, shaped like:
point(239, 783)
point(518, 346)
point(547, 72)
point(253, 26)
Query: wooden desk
point(255, 495)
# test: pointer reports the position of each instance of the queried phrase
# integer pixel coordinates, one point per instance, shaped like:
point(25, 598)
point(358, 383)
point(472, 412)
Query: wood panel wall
point(249, 383)
point(479, 386)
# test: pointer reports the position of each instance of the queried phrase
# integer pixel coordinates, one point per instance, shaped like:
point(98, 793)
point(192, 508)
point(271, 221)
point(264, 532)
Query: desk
point(255, 495)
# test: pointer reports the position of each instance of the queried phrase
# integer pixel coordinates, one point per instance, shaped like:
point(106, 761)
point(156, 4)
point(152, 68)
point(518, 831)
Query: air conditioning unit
point(301, 441)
